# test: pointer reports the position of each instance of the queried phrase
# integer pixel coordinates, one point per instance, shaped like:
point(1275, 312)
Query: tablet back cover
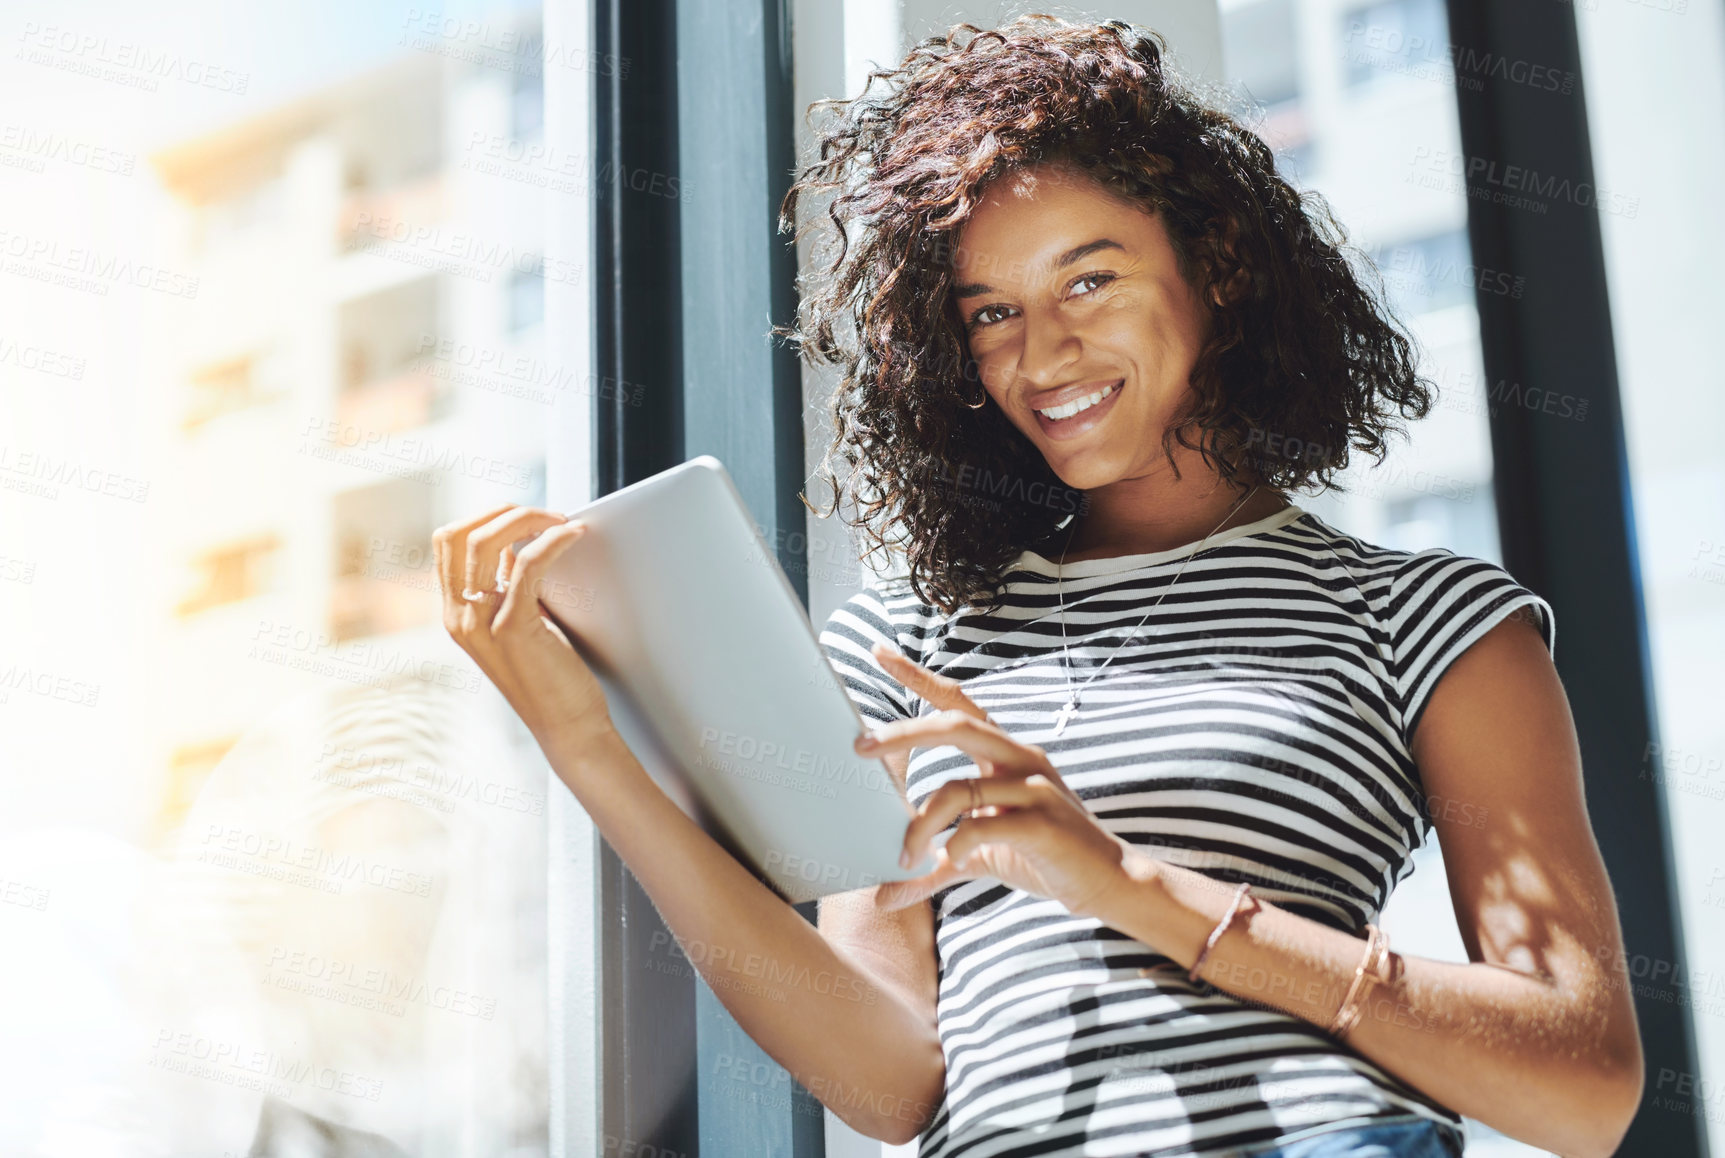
point(719, 686)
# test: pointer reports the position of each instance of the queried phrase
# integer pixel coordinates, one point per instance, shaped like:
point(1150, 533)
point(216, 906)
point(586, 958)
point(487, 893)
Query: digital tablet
point(719, 685)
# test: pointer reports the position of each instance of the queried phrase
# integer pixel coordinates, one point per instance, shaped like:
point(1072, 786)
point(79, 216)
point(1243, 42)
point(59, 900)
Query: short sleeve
point(1440, 604)
point(851, 630)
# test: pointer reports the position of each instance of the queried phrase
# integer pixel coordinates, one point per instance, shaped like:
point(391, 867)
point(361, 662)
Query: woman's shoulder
point(1432, 604)
point(1402, 579)
point(1386, 575)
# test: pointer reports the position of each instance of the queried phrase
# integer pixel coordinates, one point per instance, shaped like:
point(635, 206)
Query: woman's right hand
point(518, 648)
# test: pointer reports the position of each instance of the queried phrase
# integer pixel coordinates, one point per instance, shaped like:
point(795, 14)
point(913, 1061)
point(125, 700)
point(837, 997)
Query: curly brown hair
point(1306, 348)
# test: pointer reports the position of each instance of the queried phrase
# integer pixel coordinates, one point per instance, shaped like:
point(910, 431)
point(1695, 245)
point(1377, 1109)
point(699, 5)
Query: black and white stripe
point(1256, 728)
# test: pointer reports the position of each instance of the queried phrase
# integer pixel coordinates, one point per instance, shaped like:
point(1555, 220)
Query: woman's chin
point(1084, 471)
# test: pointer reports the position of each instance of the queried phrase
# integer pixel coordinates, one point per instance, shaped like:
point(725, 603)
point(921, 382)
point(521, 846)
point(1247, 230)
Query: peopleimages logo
point(37, 147)
point(36, 473)
point(1028, 492)
point(254, 1067)
point(349, 983)
point(88, 270)
point(1388, 47)
point(1518, 186)
point(122, 61)
point(229, 846)
point(768, 755)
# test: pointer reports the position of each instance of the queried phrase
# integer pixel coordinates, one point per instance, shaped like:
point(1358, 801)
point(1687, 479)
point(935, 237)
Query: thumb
point(890, 896)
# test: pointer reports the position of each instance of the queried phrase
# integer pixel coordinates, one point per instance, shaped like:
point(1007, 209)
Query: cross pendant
point(1067, 711)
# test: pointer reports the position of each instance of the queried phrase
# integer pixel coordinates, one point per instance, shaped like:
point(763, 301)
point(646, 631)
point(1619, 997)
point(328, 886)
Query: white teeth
point(1056, 413)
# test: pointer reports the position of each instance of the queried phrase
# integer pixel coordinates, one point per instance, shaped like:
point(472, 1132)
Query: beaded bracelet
point(1221, 927)
point(1377, 946)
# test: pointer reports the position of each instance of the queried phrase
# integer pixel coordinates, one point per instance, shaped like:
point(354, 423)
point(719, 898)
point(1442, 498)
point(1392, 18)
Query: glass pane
point(1656, 113)
point(273, 849)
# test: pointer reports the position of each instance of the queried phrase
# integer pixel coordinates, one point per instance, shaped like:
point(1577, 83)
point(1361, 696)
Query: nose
point(1050, 347)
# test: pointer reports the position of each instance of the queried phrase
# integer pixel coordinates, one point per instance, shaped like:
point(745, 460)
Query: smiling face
point(1070, 297)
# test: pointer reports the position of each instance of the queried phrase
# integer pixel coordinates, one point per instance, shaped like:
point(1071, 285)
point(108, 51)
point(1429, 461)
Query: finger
point(1007, 828)
point(899, 766)
point(955, 798)
point(941, 691)
point(527, 579)
point(449, 542)
point(485, 545)
point(979, 739)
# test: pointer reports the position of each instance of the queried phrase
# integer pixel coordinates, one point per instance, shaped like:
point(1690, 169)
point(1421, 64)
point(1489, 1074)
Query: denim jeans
point(1412, 1138)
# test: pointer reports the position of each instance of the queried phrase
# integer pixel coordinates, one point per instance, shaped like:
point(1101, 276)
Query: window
point(384, 580)
point(526, 298)
point(385, 383)
point(1261, 50)
point(526, 99)
point(1395, 36)
point(1260, 41)
point(220, 387)
point(359, 244)
point(236, 382)
point(321, 832)
point(232, 572)
point(1665, 301)
point(1433, 272)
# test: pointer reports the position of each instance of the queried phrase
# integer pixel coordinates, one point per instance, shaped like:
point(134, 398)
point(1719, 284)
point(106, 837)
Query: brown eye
point(1100, 280)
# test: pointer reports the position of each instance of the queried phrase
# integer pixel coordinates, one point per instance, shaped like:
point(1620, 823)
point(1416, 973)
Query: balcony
point(400, 402)
point(234, 383)
point(232, 572)
point(371, 217)
point(384, 580)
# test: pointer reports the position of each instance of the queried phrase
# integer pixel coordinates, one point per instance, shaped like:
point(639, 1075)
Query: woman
point(1189, 733)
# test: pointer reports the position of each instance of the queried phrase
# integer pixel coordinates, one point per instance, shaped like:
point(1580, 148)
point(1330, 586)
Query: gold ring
point(975, 803)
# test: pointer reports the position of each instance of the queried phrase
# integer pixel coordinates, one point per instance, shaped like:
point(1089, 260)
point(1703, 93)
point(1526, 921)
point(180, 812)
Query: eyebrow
point(1074, 254)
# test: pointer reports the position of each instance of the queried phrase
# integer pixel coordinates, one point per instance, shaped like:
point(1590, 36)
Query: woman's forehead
point(1048, 192)
point(1030, 182)
point(1021, 230)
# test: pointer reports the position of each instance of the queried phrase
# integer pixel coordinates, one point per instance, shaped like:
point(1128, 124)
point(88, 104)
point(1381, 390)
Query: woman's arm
point(898, 948)
point(1537, 1037)
point(850, 1031)
point(864, 1049)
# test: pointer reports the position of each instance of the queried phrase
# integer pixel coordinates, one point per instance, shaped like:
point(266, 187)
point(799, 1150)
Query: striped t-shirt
point(1256, 728)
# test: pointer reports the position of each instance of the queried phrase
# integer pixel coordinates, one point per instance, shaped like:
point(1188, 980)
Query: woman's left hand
point(1028, 829)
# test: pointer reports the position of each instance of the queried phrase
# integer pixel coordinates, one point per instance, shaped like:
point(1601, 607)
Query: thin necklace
point(1070, 708)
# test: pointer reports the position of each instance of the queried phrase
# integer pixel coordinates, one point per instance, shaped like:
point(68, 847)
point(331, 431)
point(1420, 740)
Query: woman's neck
point(1142, 516)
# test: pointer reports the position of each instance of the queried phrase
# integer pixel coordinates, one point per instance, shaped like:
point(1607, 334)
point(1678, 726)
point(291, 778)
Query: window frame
point(706, 217)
